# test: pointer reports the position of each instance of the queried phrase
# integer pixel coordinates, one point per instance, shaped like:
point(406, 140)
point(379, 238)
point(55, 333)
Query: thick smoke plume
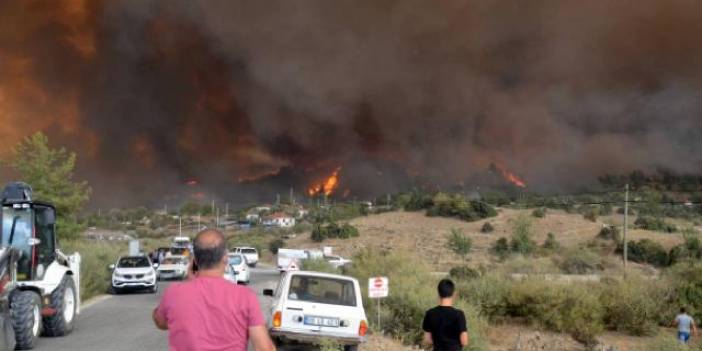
point(152, 94)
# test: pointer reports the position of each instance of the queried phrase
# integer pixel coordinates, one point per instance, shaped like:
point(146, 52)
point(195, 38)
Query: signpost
point(378, 288)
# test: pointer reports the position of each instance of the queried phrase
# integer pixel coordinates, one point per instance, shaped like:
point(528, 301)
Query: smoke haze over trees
point(152, 94)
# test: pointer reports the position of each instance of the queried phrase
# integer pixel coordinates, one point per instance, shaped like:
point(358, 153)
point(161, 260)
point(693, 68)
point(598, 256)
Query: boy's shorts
point(684, 337)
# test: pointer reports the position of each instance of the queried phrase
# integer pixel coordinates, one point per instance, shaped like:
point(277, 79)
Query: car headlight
point(149, 274)
point(117, 275)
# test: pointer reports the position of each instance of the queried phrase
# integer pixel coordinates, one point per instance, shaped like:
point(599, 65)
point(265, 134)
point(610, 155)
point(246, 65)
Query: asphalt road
point(123, 322)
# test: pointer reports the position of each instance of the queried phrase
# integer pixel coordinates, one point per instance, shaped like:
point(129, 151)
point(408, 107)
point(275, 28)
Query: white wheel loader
point(46, 299)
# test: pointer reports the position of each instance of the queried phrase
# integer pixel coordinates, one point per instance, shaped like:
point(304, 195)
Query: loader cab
point(29, 227)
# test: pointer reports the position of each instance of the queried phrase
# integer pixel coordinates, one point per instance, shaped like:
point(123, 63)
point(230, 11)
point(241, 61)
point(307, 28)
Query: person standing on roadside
point(685, 324)
point(207, 312)
point(444, 326)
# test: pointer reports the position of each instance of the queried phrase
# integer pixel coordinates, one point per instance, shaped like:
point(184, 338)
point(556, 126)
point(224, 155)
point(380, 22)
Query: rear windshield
point(235, 260)
point(322, 290)
point(250, 251)
point(133, 262)
point(171, 260)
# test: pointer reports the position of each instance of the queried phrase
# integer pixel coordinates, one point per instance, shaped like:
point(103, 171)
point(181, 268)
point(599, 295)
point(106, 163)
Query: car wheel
point(25, 308)
point(63, 300)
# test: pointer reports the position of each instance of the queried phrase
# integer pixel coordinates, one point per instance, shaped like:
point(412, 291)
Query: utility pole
point(213, 209)
point(277, 199)
point(198, 223)
point(626, 224)
point(180, 225)
point(226, 212)
point(217, 218)
point(292, 197)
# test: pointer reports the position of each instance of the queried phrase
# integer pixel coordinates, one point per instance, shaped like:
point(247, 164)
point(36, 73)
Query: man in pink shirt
point(207, 312)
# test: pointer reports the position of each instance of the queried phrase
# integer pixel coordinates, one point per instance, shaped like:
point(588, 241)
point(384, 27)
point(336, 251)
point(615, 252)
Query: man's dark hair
point(446, 288)
point(682, 309)
point(209, 254)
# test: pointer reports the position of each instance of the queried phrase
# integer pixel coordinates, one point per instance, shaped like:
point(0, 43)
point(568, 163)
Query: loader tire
point(64, 301)
point(25, 309)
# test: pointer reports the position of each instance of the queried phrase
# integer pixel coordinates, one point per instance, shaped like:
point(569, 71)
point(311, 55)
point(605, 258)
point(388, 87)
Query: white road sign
point(378, 287)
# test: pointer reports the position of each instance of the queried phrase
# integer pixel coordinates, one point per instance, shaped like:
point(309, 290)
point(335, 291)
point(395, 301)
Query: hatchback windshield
point(249, 251)
point(322, 290)
point(235, 260)
point(133, 262)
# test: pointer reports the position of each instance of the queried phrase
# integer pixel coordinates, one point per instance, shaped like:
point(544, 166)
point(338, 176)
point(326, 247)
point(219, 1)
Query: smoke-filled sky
point(151, 94)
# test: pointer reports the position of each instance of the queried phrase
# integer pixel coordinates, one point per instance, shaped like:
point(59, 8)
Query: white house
point(252, 217)
point(279, 219)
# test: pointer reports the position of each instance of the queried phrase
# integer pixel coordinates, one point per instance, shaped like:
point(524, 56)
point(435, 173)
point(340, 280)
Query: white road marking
point(94, 301)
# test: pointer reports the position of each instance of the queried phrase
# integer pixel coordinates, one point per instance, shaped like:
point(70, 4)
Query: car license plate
point(321, 321)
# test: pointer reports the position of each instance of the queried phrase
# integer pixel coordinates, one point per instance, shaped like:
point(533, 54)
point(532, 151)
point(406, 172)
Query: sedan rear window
point(249, 251)
point(322, 290)
point(171, 260)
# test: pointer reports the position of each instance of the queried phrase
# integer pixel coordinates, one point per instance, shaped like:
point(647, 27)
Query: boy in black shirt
point(444, 326)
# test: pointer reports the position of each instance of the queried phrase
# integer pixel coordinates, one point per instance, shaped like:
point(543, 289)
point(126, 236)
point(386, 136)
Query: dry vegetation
point(426, 238)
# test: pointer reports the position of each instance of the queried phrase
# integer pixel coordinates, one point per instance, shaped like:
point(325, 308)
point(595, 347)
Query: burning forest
point(360, 98)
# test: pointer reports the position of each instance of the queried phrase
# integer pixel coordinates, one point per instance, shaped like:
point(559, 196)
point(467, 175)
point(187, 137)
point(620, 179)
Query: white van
point(309, 307)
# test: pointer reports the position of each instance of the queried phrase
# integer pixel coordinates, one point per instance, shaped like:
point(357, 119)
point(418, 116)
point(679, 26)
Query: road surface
point(123, 322)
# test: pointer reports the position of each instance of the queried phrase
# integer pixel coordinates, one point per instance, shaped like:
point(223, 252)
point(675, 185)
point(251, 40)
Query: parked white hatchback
point(239, 267)
point(309, 307)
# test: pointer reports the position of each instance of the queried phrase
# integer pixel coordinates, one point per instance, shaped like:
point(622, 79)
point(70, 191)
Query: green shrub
point(632, 305)
point(655, 224)
point(568, 308)
point(488, 293)
point(685, 280)
point(463, 273)
point(459, 243)
point(95, 259)
point(580, 261)
point(522, 232)
point(646, 251)
point(691, 250)
point(320, 232)
point(591, 215)
point(551, 243)
point(457, 206)
point(609, 232)
point(276, 244)
point(501, 248)
point(539, 212)
point(487, 228)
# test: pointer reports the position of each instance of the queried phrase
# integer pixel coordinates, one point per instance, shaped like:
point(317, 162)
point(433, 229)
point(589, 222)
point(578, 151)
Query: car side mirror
point(111, 267)
point(267, 292)
point(155, 265)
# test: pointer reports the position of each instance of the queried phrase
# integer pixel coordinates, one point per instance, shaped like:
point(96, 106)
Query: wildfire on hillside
point(509, 176)
point(325, 186)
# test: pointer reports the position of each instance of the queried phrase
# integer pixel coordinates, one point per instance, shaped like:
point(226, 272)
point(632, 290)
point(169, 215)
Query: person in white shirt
point(685, 324)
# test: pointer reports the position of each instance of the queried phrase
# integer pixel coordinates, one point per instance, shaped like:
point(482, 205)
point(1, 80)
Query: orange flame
point(511, 177)
point(325, 186)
